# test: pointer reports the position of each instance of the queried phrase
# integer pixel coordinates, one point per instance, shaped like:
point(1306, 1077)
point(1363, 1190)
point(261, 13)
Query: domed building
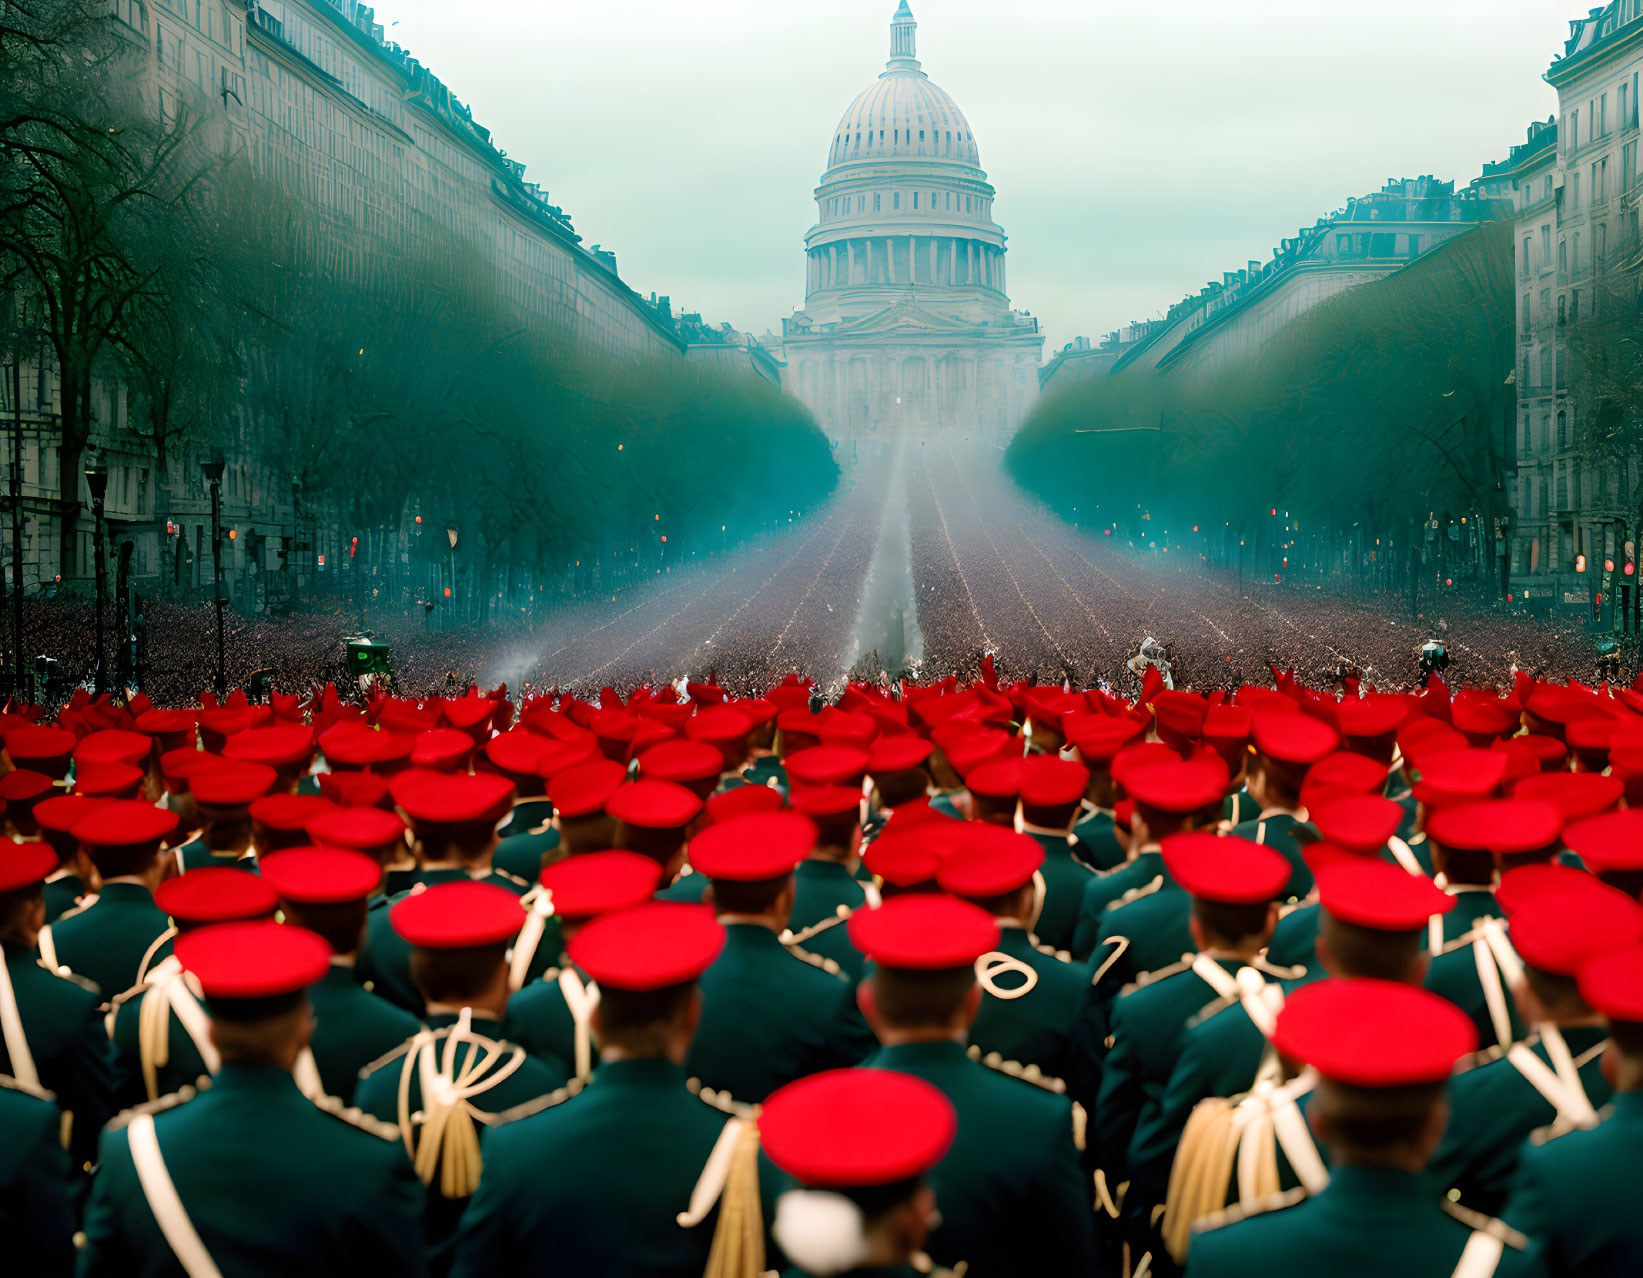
point(906, 324)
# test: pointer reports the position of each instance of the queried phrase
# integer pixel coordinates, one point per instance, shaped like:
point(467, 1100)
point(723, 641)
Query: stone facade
point(907, 324)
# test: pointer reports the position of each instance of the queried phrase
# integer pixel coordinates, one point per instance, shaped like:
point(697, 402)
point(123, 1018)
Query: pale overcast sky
point(1139, 149)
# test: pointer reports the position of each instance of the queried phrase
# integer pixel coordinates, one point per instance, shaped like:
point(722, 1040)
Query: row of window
point(945, 142)
point(1597, 116)
point(939, 201)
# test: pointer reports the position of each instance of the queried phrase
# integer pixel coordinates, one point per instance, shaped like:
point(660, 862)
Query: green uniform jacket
point(1239, 807)
point(352, 1028)
point(1105, 891)
point(764, 771)
point(1155, 931)
point(1012, 1196)
point(36, 1216)
point(1295, 940)
point(1219, 1054)
point(106, 941)
point(70, 1047)
point(184, 1065)
point(524, 840)
point(819, 889)
point(1098, 844)
point(689, 887)
point(1368, 1223)
point(1147, 1023)
point(1493, 1109)
point(830, 939)
point(1052, 1025)
point(378, 1095)
point(1065, 878)
point(1284, 832)
point(272, 1183)
point(594, 1185)
point(769, 1016)
point(194, 854)
point(383, 965)
point(540, 1021)
point(1454, 973)
point(62, 893)
point(1577, 1196)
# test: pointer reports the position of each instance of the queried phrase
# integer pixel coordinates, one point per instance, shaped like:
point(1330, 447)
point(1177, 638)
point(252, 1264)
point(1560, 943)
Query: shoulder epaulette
point(1147, 978)
point(791, 939)
point(1262, 964)
point(63, 974)
point(1015, 1069)
point(179, 1097)
point(1486, 1224)
point(355, 1117)
point(1050, 950)
point(10, 1084)
point(815, 960)
point(1232, 1215)
point(720, 1100)
point(537, 1104)
point(1136, 893)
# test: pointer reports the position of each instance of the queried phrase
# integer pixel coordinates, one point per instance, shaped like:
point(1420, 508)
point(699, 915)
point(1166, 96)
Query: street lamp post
point(97, 482)
point(450, 534)
point(212, 470)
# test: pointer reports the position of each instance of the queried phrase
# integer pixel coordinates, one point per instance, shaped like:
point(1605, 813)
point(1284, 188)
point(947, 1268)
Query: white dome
point(903, 115)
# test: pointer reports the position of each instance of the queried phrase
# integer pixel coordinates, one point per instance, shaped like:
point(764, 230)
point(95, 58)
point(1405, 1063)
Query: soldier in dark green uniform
point(223, 795)
point(636, 1140)
point(252, 1173)
point(459, 935)
point(106, 939)
point(899, 766)
point(1575, 1192)
point(158, 1029)
point(57, 1043)
point(1051, 790)
point(651, 818)
point(326, 890)
point(1373, 919)
point(1380, 1112)
point(1226, 730)
point(551, 1016)
point(1039, 1008)
point(22, 791)
point(1145, 926)
point(1232, 885)
point(70, 881)
point(827, 887)
point(1286, 746)
point(375, 833)
point(1098, 738)
point(453, 819)
point(579, 794)
point(1013, 1198)
point(36, 1210)
point(771, 1013)
point(1555, 1078)
point(869, 1137)
point(527, 838)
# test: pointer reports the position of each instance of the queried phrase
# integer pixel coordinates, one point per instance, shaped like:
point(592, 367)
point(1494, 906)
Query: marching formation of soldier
point(987, 978)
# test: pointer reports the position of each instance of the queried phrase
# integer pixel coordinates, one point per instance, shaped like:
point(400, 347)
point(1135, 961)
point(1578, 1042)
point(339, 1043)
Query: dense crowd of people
point(986, 977)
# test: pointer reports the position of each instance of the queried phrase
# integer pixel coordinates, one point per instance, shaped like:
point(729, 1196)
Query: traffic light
point(1580, 563)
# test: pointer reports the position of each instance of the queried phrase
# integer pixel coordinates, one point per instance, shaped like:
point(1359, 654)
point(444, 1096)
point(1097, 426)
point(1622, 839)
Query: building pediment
point(903, 318)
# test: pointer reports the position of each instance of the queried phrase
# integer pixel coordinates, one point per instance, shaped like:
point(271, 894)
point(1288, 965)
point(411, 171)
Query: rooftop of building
point(1591, 37)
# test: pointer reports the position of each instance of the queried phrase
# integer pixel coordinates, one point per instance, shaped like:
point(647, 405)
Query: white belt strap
point(306, 1071)
point(168, 1209)
point(1560, 1084)
point(581, 1000)
point(1297, 1143)
point(169, 995)
point(714, 1174)
point(1434, 935)
point(1404, 856)
point(1248, 988)
point(11, 1026)
point(48, 949)
point(540, 903)
point(1492, 979)
point(1481, 1255)
point(150, 952)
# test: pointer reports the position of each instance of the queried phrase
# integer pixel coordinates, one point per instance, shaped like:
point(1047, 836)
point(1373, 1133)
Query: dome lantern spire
point(903, 50)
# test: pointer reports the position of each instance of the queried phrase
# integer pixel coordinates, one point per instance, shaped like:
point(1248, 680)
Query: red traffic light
point(447, 592)
point(1580, 563)
point(1608, 565)
point(1629, 569)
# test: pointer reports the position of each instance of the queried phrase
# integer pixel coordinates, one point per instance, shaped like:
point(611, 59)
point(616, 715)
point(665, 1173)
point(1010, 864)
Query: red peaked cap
point(1504, 827)
point(232, 784)
point(594, 883)
point(216, 894)
point(1368, 892)
point(1459, 776)
point(681, 761)
point(25, 864)
point(1051, 782)
point(62, 812)
point(923, 933)
point(856, 1128)
point(1371, 716)
point(649, 946)
point(452, 798)
point(1575, 794)
point(1608, 842)
point(22, 786)
point(828, 801)
point(354, 789)
point(827, 765)
point(280, 747)
point(743, 800)
point(1297, 739)
point(753, 849)
point(1558, 931)
point(898, 752)
point(1369, 1033)
point(112, 745)
point(1098, 737)
point(356, 828)
point(902, 861)
point(289, 811)
point(654, 805)
point(1525, 883)
point(1225, 869)
point(1358, 822)
point(123, 823)
point(320, 876)
point(109, 780)
point(443, 749)
point(996, 778)
point(583, 789)
point(980, 861)
point(256, 960)
point(1612, 983)
point(1184, 786)
point(458, 916)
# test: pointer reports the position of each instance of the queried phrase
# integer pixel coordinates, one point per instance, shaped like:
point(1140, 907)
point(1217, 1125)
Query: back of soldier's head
point(913, 999)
